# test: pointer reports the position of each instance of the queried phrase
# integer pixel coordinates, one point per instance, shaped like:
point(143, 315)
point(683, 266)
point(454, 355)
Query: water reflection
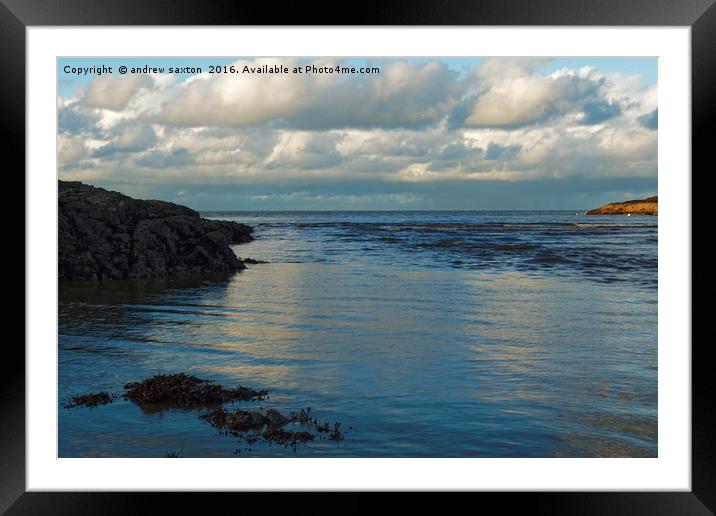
point(419, 361)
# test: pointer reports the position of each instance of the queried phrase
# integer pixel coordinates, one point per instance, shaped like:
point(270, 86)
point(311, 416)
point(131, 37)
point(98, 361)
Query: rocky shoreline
point(104, 235)
point(648, 206)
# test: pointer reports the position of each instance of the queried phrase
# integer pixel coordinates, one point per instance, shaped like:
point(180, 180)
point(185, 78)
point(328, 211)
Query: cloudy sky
point(434, 133)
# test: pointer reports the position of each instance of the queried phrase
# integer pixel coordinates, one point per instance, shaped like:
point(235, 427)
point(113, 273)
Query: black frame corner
point(17, 15)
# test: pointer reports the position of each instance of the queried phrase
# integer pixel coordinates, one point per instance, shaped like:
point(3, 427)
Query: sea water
point(426, 334)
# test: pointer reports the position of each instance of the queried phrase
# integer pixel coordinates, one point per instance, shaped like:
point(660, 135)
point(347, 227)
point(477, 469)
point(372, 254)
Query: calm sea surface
point(426, 334)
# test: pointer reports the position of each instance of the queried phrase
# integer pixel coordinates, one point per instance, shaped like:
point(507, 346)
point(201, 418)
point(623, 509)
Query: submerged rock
point(181, 390)
point(234, 422)
point(648, 206)
point(108, 235)
point(275, 418)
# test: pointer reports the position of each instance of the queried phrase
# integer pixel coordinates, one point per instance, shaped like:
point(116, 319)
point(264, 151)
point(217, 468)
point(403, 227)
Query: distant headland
point(648, 206)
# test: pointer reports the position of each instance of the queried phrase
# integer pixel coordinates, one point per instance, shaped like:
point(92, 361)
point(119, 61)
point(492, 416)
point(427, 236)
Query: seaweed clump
point(325, 428)
point(336, 434)
point(304, 417)
point(90, 400)
point(252, 426)
point(185, 390)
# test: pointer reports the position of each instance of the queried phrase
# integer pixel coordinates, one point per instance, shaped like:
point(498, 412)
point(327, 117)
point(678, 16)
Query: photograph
point(357, 257)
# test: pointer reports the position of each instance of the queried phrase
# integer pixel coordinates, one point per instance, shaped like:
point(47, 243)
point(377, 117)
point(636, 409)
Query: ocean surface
point(426, 334)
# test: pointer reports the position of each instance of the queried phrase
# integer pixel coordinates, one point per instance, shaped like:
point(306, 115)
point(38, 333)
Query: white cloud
point(305, 150)
point(403, 94)
point(114, 92)
point(135, 138)
point(71, 149)
point(240, 99)
point(516, 101)
point(513, 94)
point(628, 144)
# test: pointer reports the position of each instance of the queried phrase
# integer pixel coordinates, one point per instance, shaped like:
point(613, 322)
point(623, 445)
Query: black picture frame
point(17, 15)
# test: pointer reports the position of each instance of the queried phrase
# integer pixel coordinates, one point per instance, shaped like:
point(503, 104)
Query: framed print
point(423, 253)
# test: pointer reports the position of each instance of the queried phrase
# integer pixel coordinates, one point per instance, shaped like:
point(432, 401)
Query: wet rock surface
point(108, 235)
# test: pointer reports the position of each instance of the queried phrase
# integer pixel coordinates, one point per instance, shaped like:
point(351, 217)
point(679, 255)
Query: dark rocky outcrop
point(108, 235)
point(648, 206)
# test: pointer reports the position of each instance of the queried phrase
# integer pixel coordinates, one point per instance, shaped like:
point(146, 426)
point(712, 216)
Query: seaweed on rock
point(186, 390)
point(90, 400)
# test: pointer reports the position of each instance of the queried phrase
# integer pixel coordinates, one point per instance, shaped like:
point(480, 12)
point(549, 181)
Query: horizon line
point(380, 210)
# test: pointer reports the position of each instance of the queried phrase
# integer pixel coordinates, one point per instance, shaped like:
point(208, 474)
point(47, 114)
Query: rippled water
point(440, 334)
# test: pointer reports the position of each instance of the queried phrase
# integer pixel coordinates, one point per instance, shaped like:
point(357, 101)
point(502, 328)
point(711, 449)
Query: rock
point(275, 418)
point(251, 261)
point(108, 235)
point(648, 206)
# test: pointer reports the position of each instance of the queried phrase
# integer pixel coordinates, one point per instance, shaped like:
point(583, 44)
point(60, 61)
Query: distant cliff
point(108, 235)
point(648, 206)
